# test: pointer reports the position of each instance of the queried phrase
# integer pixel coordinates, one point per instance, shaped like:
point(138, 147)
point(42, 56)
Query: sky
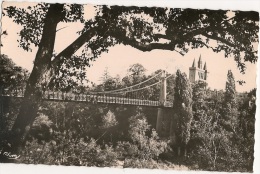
point(120, 57)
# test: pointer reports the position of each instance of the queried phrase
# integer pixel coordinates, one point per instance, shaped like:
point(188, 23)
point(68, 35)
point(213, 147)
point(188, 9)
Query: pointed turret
point(193, 65)
point(205, 66)
point(200, 62)
point(199, 59)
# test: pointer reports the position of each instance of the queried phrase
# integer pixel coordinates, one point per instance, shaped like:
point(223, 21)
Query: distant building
point(197, 72)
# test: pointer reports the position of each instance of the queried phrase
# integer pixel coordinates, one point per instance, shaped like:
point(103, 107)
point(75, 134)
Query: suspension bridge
point(131, 95)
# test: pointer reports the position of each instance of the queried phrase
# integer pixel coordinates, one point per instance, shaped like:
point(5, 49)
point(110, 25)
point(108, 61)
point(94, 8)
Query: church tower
point(197, 72)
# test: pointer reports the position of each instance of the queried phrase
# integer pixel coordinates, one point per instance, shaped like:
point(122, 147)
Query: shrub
point(68, 152)
point(108, 120)
point(42, 127)
point(140, 163)
point(143, 149)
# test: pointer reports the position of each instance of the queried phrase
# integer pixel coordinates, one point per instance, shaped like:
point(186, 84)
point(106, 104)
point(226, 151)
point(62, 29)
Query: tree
point(230, 112)
point(136, 73)
point(199, 110)
point(136, 70)
point(105, 75)
point(230, 94)
point(232, 150)
point(198, 96)
point(217, 142)
point(109, 120)
point(184, 29)
point(182, 106)
point(12, 76)
point(207, 140)
point(110, 84)
point(247, 125)
point(12, 81)
point(143, 147)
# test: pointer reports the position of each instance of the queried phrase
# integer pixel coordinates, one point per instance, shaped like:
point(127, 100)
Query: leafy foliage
point(182, 107)
point(218, 138)
point(230, 114)
point(69, 152)
point(142, 150)
point(109, 120)
point(42, 128)
point(11, 76)
point(30, 19)
point(66, 149)
point(130, 26)
point(198, 95)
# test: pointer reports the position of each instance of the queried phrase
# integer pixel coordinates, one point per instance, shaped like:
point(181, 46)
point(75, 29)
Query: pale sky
point(120, 57)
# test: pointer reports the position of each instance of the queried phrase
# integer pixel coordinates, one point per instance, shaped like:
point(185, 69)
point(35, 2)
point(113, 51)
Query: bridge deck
point(95, 98)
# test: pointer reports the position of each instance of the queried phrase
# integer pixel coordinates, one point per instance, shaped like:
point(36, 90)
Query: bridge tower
point(162, 101)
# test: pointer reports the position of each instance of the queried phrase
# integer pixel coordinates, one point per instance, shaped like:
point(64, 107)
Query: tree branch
point(202, 31)
point(74, 46)
point(218, 39)
point(161, 36)
point(202, 43)
point(196, 32)
point(61, 28)
point(143, 46)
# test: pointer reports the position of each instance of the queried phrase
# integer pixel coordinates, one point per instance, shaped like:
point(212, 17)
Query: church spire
point(205, 66)
point(193, 65)
point(200, 62)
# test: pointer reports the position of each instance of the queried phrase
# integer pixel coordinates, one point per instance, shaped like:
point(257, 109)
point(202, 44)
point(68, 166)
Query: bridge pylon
point(162, 101)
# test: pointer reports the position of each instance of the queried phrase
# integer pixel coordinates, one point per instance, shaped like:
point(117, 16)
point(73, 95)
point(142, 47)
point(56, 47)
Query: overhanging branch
point(144, 46)
point(74, 46)
point(218, 39)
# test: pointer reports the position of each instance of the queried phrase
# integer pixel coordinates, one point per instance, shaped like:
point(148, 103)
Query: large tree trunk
point(40, 72)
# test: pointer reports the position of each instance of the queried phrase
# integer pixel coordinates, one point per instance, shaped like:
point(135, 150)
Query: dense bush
point(69, 152)
point(42, 128)
point(143, 149)
point(63, 149)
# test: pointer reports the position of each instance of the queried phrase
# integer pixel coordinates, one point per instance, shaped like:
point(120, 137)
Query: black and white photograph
point(128, 86)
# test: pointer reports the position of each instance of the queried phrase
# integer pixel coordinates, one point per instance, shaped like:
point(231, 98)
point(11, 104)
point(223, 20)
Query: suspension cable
point(168, 76)
point(149, 85)
point(144, 87)
point(113, 91)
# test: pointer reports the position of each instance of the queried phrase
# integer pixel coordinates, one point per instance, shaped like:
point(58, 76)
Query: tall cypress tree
point(198, 98)
point(182, 111)
point(230, 94)
point(230, 114)
point(199, 110)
